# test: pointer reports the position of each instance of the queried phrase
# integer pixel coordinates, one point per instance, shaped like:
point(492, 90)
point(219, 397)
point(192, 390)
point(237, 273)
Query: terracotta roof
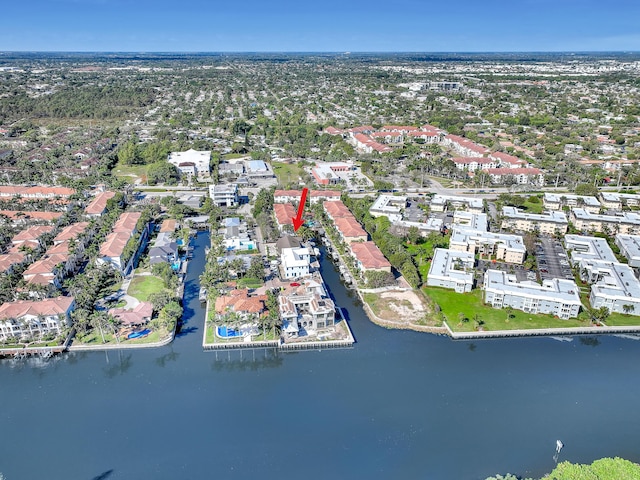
point(284, 212)
point(46, 307)
point(325, 193)
point(114, 244)
point(9, 259)
point(466, 143)
point(45, 265)
point(32, 233)
point(369, 255)
point(127, 222)
point(168, 226)
point(386, 134)
point(333, 131)
point(14, 215)
point(71, 231)
point(99, 203)
point(336, 209)
point(240, 301)
point(399, 128)
point(139, 315)
point(349, 227)
point(506, 158)
point(60, 248)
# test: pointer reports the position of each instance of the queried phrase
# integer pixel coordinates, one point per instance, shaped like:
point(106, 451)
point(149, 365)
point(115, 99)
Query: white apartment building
point(505, 247)
point(615, 201)
point(627, 223)
point(556, 201)
point(295, 262)
point(549, 224)
point(472, 221)
point(224, 195)
point(451, 269)
point(442, 203)
point(555, 296)
point(582, 248)
point(630, 248)
point(388, 206)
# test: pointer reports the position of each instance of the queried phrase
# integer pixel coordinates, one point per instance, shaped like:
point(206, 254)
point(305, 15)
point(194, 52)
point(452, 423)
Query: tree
point(587, 189)
point(163, 172)
point(628, 308)
point(256, 270)
point(413, 235)
point(377, 279)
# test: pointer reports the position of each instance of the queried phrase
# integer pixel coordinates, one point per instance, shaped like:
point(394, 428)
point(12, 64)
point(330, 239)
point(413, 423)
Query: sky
point(320, 26)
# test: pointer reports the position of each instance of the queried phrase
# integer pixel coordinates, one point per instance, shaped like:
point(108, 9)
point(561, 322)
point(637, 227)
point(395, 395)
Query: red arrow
point(297, 220)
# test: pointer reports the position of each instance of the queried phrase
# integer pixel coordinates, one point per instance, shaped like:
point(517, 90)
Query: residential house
point(191, 162)
point(139, 315)
point(305, 308)
point(295, 262)
point(224, 195)
point(369, 257)
point(350, 230)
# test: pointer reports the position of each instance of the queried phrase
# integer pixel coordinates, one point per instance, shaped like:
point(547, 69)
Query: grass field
point(132, 172)
point(470, 304)
point(620, 320)
point(143, 286)
point(287, 172)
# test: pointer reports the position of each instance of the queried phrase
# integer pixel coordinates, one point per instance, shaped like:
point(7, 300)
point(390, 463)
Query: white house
point(295, 262)
point(191, 162)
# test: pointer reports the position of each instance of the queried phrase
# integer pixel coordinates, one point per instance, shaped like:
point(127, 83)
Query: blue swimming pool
point(225, 332)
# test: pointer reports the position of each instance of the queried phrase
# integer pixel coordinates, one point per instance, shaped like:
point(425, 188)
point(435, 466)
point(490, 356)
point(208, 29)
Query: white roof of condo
point(557, 198)
point(625, 217)
point(588, 248)
point(464, 236)
point(555, 289)
point(555, 217)
point(630, 244)
point(389, 204)
point(473, 202)
point(473, 221)
point(616, 280)
point(444, 263)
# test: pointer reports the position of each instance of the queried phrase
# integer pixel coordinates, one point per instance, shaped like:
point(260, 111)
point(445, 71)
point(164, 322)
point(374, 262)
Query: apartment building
point(442, 203)
point(627, 223)
point(389, 206)
point(555, 296)
point(33, 319)
point(556, 201)
point(369, 257)
point(630, 248)
point(224, 195)
point(552, 223)
point(505, 247)
point(451, 269)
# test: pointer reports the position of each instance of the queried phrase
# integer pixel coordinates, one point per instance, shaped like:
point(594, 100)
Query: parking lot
point(521, 273)
point(552, 259)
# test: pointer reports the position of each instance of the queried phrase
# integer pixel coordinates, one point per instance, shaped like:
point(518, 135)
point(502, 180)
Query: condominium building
point(630, 248)
point(451, 269)
point(556, 201)
point(627, 223)
point(388, 206)
point(464, 146)
point(581, 248)
point(473, 221)
point(505, 247)
point(615, 201)
point(551, 223)
point(369, 257)
point(555, 296)
point(28, 319)
point(441, 203)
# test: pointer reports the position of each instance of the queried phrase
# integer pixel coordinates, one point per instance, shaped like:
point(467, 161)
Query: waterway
point(399, 404)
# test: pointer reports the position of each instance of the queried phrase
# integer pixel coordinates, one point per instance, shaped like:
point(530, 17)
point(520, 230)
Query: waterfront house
point(28, 318)
point(305, 308)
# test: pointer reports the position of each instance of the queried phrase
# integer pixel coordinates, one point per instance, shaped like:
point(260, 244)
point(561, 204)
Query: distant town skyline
point(331, 26)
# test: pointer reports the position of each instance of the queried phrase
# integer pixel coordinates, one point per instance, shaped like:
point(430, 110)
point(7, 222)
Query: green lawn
point(249, 282)
point(620, 320)
point(533, 207)
point(131, 171)
point(469, 304)
point(287, 172)
point(232, 156)
point(143, 286)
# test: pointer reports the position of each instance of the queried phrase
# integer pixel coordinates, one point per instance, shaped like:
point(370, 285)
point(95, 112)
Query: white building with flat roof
point(615, 201)
point(473, 221)
point(556, 201)
point(224, 195)
point(581, 248)
point(505, 247)
point(451, 269)
point(626, 222)
point(549, 224)
point(555, 296)
point(389, 206)
point(615, 287)
point(191, 162)
point(630, 248)
point(442, 203)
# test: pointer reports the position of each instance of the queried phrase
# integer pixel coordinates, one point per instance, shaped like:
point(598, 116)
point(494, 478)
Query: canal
point(398, 405)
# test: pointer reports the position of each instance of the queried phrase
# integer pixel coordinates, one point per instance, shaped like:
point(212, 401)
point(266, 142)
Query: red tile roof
point(369, 255)
point(46, 307)
point(127, 222)
point(349, 227)
point(99, 203)
point(513, 171)
point(336, 209)
point(284, 212)
point(32, 233)
point(71, 231)
point(14, 215)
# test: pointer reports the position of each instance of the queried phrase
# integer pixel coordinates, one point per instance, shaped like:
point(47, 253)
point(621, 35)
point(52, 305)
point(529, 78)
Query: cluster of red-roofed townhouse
point(21, 218)
point(113, 251)
point(367, 255)
point(59, 260)
point(35, 318)
point(286, 204)
point(464, 146)
point(35, 192)
point(367, 139)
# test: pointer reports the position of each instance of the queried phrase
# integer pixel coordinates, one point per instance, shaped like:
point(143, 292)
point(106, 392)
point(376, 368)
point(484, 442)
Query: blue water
point(398, 405)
